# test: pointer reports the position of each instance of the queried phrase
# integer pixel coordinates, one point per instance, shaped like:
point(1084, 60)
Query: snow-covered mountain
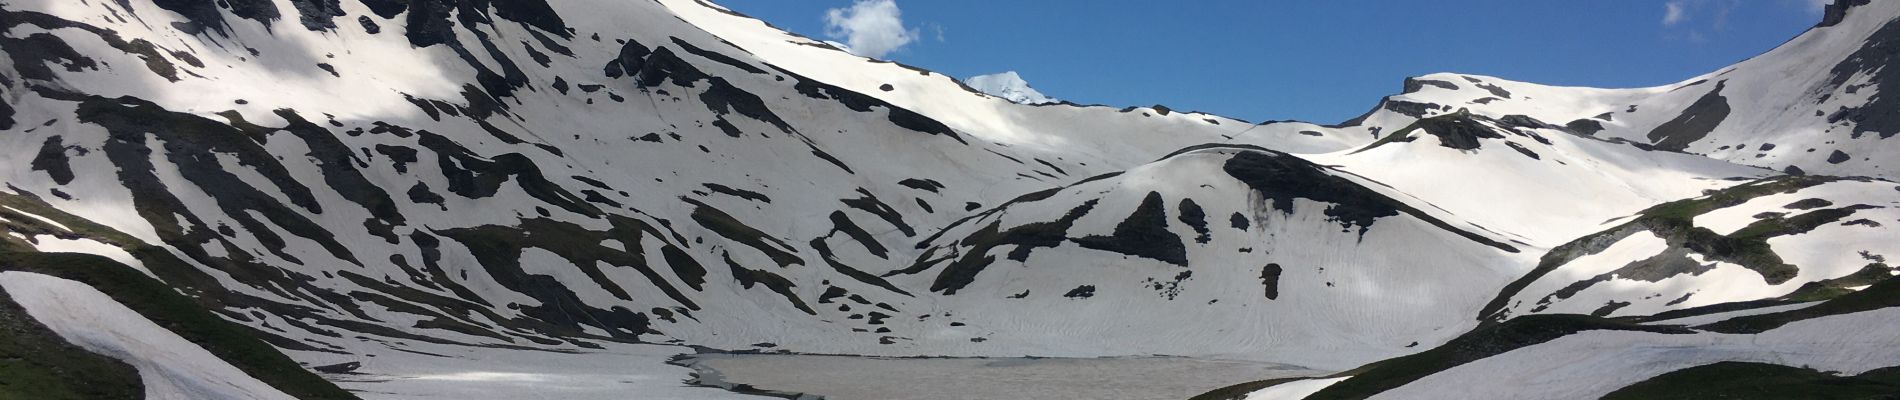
point(1215, 240)
point(1009, 86)
point(211, 199)
point(1813, 103)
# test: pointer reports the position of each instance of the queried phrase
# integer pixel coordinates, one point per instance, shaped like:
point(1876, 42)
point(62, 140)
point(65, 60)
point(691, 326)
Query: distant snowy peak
point(1009, 86)
point(1811, 105)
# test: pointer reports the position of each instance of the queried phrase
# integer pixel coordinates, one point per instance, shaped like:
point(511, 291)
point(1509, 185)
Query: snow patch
point(1294, 390)
point(53, 244)
point(48, 221)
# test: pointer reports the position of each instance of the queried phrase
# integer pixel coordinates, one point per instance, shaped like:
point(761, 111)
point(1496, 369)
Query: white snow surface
point(1294, 390)
point(54, 244)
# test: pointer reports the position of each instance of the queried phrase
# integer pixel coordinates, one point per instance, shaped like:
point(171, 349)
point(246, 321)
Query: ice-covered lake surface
point(880, 378)
point(443, 372)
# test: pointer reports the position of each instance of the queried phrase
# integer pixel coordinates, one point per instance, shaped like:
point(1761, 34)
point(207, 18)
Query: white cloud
point(1700, 21)
point(1674, 12)
point(870, 28)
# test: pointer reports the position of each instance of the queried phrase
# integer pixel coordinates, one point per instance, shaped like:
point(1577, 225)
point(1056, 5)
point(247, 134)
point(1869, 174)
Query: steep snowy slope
point(1542, 183)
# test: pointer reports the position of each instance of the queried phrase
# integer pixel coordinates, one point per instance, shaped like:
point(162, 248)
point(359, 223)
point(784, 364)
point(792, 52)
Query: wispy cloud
point(1674, 12)
point(938, 29)
point(1722, 10)
point(1699, 20)
point(870, 28)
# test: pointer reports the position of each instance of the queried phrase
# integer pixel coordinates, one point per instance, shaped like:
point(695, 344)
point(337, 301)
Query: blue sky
point(1319, 61)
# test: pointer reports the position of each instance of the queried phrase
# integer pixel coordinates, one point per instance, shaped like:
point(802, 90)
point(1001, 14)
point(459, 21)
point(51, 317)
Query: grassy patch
point(1748, 247)
point(1733, 196)
point(1743, 380)
point(1752, 252)
point(1837, 287)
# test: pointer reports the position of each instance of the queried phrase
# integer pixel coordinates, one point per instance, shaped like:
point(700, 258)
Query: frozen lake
point(878, 378)
point(444, 372)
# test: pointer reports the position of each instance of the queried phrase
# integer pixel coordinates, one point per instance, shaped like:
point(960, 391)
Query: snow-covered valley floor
point(879, 378)
point(514, 199)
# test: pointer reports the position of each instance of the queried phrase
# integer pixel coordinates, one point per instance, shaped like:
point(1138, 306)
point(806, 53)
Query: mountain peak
point(1009, 86)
